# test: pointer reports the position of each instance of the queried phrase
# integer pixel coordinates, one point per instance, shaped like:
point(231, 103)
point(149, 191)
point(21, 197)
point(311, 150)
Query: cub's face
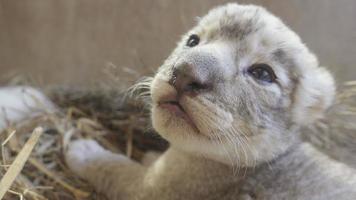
point(238, 86)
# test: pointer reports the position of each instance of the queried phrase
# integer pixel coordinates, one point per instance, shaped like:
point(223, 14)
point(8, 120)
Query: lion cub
point(231, 100)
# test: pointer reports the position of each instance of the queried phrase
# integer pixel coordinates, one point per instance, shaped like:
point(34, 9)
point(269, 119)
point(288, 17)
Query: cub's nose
point(190, 79)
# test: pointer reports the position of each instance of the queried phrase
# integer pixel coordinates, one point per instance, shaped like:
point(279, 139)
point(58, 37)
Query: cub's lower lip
point(174, 107)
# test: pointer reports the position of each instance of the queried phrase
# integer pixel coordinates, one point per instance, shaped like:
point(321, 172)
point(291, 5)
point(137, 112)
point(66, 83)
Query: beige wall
point(72, 40)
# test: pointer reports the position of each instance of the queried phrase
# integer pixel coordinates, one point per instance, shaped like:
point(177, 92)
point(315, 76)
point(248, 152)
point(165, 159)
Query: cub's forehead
point(251, 30)
point(238, 22)
point(231, 21)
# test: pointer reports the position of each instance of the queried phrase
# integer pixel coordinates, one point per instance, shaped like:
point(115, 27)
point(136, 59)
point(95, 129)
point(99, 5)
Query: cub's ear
point(314, 95)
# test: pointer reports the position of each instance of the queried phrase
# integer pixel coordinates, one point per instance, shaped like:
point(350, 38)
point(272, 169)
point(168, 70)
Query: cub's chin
point(172, 123)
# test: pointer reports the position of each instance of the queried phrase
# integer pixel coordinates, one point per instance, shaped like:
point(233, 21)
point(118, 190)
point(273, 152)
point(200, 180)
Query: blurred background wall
point(71, 41)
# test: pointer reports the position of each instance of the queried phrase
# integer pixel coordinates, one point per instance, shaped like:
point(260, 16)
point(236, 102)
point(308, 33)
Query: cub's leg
point(112, 174)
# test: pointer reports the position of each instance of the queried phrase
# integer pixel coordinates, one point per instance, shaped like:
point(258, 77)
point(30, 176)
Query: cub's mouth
point(173, 107)
point(172, 104)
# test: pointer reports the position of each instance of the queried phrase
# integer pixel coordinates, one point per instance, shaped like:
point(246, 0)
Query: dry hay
point(100, 114)
point(119, 125)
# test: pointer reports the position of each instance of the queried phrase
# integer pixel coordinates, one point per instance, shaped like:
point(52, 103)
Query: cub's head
point(238, 87)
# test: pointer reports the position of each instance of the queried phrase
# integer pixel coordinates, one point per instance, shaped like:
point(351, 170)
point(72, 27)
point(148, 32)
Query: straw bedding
point(119, 124)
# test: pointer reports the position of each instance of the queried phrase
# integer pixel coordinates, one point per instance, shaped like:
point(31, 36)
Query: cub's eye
point(193, 40)
point(262, 72)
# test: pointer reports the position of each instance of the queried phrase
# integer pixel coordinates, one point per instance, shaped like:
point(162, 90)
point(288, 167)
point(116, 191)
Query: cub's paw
point(81, 153)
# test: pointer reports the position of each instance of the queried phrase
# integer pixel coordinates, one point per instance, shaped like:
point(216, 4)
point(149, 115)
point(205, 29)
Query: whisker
point(140, 90)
